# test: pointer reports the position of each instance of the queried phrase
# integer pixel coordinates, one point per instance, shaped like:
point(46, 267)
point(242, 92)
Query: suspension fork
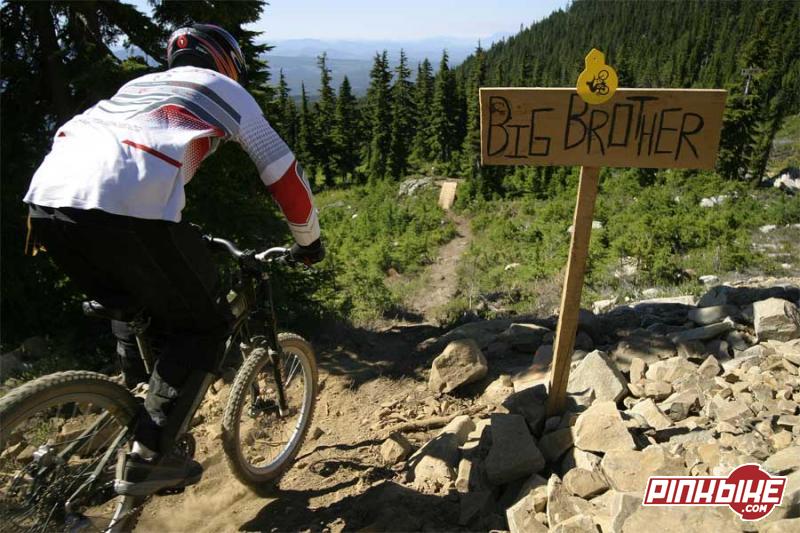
point(275, 352)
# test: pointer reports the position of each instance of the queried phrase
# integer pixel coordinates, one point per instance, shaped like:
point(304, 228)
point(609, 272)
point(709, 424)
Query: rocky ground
point(452, 434)
point(419, 429)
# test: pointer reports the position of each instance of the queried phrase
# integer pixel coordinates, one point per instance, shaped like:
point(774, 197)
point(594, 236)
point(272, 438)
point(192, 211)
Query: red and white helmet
point(208, 46)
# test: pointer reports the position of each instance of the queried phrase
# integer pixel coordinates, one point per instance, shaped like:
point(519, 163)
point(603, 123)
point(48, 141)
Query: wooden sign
point(593, 125)
point(651, 128)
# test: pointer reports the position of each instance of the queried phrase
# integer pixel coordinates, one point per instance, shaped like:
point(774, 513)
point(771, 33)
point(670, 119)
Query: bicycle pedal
point(171, 491)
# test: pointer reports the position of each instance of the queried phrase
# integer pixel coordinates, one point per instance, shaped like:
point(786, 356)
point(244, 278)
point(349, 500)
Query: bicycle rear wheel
point(260, 439)
point(58, 447)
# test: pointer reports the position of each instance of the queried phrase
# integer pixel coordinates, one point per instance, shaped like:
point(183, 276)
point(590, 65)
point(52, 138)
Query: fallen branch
point(433, 422)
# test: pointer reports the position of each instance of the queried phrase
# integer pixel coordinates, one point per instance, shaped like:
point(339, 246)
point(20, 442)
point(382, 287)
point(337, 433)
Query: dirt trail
point(442, 276)
point(370, 379)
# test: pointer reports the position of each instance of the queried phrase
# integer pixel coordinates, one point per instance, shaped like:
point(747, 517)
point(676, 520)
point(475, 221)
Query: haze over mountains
point(298, 58)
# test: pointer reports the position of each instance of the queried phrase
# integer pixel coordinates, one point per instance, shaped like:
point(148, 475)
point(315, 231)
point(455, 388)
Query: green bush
point(653, 218)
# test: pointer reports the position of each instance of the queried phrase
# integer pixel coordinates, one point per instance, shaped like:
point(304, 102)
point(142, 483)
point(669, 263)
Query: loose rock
point(585, 484)
point(629, 470)
point(554, 444)
point(597, 374)
point(395, 449)
point(703, 333)
point(577, 524)
point(522, 517)
point(600, 429)
point(776, 319)
point(655, 417)
point(461, 362)
point(513, 453)
point(561, 505)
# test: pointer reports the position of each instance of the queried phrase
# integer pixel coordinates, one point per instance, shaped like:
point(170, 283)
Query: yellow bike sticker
point(598, 82)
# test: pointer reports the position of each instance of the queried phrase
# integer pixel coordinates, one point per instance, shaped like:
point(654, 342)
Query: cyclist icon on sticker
point(598, 82)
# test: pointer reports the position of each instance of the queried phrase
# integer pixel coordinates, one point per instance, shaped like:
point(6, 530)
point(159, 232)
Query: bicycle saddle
point(94, 309)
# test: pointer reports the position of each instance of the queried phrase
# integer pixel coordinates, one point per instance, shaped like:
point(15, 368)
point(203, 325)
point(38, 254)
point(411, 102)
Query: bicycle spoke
point(74, 442)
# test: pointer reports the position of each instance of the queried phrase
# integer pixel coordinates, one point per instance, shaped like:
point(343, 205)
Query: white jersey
point(133, 154)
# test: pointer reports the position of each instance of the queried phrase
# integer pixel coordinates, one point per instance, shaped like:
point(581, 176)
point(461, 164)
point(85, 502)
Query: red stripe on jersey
point(292, 195)
point(153, 152)
point(183, 118)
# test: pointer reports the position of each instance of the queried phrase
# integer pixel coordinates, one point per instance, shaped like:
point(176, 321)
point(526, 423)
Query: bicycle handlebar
point(275, 252)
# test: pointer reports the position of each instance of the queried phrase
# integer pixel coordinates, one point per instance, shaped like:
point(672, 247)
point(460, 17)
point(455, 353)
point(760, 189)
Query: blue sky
point(396, 20)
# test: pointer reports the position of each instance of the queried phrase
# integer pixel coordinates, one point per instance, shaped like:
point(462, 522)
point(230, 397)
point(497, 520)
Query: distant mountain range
point(298, 58)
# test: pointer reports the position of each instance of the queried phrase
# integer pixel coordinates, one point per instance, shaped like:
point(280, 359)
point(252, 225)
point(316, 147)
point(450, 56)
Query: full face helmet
point(207, 46)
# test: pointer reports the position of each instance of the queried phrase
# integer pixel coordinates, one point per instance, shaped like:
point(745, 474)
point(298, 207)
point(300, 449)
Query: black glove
point(308, 255)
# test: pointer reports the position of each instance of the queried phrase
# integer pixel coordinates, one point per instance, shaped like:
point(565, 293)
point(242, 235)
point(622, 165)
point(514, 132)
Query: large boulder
point(513, 453)
point(601, 429)
point(703, 333)
point(482, 331)
point(776, 319)
point(598, 375)
point(742, 296)
point(629, 470)
point(460, 363)
point(524, 337)
point(704, 316)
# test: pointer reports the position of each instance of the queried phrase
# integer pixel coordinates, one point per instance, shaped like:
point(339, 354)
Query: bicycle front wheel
point(261, 439)
point(58, 444)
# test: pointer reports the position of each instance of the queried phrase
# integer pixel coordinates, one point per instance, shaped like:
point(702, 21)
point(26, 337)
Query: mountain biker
point(106, 205)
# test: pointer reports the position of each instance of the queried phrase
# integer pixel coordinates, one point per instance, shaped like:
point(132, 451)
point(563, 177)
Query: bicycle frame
point(255, 323)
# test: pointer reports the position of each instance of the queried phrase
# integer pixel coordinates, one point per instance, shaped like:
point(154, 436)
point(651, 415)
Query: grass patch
point(369, 231)
point(651, 222)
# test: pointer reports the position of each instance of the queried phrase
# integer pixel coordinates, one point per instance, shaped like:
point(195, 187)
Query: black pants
point(165, 267)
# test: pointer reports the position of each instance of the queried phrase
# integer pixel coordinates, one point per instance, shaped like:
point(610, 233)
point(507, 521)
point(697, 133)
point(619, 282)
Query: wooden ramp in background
point(447, 196)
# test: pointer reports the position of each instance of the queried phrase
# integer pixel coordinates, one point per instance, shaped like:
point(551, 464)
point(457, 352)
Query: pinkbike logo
point(751, 492)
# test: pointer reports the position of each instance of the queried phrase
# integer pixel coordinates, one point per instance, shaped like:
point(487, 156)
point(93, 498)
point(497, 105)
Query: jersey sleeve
point(281, 173)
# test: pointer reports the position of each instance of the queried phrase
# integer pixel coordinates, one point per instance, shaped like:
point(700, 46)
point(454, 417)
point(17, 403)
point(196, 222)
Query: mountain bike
point(60, 434)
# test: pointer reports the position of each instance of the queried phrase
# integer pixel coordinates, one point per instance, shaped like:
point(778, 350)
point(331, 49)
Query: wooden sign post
point(650, 128)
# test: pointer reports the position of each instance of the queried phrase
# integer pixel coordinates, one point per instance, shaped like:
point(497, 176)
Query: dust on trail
point(442, 275)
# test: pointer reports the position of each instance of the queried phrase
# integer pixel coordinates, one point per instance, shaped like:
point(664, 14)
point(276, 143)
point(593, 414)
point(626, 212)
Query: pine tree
point(324, 114)
point(738, 133)
point(284, 117)
point(471, 149)
point(305, 136)
point(402, 131)
point(444, 114)
point(346, 132)
point(378, 107)
point(423, 102)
